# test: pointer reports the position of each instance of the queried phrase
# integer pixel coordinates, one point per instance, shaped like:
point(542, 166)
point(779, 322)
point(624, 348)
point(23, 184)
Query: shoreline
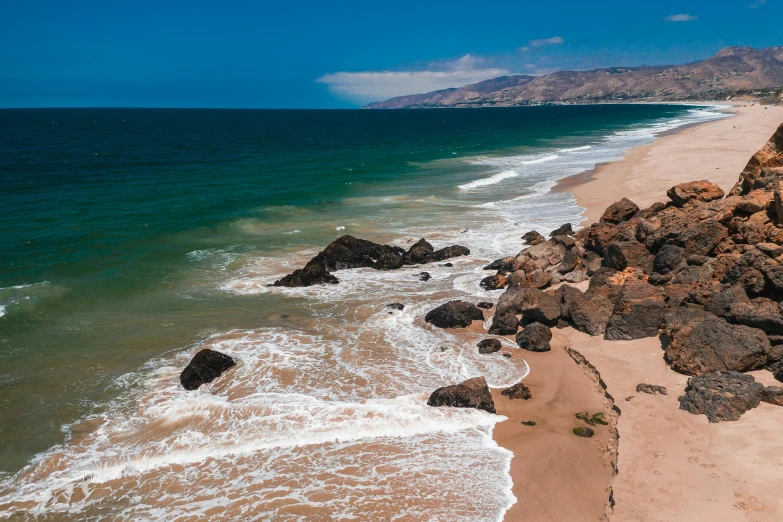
point(671, 465)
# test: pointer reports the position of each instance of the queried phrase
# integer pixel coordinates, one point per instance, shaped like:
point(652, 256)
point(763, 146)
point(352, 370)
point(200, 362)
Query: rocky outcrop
point(518, 391)
point(486, 346)
point(454, 314)
point(473, 393)
point(764, 168)
point(638, 312)
point(694, 191)
point(205, 367)
point(349, 252)
point(721, 396)
point(652, 389)
point(773, 395)
point(535, 337)
point(622, 210)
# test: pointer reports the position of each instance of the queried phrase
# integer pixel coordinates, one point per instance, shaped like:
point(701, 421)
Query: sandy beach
point(671, 465)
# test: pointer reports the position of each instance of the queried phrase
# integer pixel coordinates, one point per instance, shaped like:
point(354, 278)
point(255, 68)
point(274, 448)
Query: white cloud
point(367, 86)
point(680, 18)
point(555, 40)
point(757, 4)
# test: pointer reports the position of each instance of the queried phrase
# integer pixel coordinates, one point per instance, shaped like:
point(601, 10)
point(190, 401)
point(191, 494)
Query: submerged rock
point(205, 367)
point(425, 276)
point(489, 346)
point(454, 314)
point(396, 306)
point(310, 275)
point(721, 396)
point(473, 393)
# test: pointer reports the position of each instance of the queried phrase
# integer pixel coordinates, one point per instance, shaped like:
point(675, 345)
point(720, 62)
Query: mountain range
point(733, 71)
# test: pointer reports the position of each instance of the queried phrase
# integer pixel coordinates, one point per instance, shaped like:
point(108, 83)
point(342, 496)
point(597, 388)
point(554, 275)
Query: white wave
point(340, 228)
point(2, 310)
point(576, 149)
point(497, 178)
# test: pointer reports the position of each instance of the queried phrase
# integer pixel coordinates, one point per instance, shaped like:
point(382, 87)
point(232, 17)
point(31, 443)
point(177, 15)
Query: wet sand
point(672, 466)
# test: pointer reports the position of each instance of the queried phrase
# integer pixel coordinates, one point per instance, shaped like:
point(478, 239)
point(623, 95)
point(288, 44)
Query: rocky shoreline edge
point(702, 272)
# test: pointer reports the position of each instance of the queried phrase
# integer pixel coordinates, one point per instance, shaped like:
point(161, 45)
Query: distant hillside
point(734, 71)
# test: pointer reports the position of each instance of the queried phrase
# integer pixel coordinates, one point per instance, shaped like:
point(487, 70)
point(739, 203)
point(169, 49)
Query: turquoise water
point(131, 235)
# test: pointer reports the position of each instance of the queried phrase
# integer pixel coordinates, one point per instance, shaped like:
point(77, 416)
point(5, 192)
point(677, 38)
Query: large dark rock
point(454, 314)
point(504, 324)
point(349, 252)
point(668, 259)
point(562, 230)
point(619, 211)
point(419, 252)
point(518, 391)
point(310, 275)
point(638, 312)
point(473, 393)
point(205, 367)
point(533, 238)
point(588, 312)
point(699, 342)
point(694, 191)
point(486, 305)
point(761, 165)
point(535, 337)
point(489, 346)
point(733, 304)
point(623, 254)
point(449, 252)
point(773, 395)
point(494, 282)
point(599, 236)
point(532, 304)
point(721, 396)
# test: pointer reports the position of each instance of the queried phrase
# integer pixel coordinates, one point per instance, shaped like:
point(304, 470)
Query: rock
point(701, 238)
point(205, 367)
point(349, 252)
point(694, 191)
point(652, 389)
point(449, 252)
point(532, 304)
point(623, 254)
point(496, 264)
point(536, 279)
point(494, 282)
point(773, 395)
point(755, 201)
point(310, 275)
point(582, 431)
point(588, 312)
point(488, 346)
point(473, 393)
point(733, 304)
point(571, 261)
point(770, 249)
point(755, 172)
point(396, 306)
point(504, 324)
point(419, 252)
point(518, 391)
point(448, 265)
point(668, 259)
point(622, 210)
point(454, 314)
point(486, 305)
point(638, 312)
point(389, 261)
point(535, 337)
point(425, 276)
point(562, 230)
point(533, 238)
point(699, 342)
point(599, 236)
point(517, 278)
point(721, 396)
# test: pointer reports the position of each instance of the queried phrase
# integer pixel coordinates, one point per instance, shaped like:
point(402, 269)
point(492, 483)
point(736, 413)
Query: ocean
point(132, 238)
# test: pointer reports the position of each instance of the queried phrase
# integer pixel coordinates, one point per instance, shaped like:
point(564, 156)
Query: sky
point(339, 54)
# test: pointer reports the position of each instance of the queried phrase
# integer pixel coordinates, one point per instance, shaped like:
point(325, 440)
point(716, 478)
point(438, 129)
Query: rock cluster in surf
point(704, 271)
point(349, 252)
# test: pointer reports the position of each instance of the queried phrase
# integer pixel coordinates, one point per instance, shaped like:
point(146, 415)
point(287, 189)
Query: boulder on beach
point(622, 210)
point(517, 391)
point(773, 395)
point(563, 230)
point(473, 393)
point(205, 367)
point(638, 312)
point(533, 238)
point(454, 314)
point(652, 389)
point(721, 396)
point(694, 190)
point(535, 337)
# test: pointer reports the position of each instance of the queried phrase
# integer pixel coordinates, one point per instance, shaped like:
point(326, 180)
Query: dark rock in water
point(518, 391)
point(350, 252)
point(425, 276)
point(721, 396)
point(504, 324)
point(448, 265)
point(694, 191)
point(494, 282)
point(396, 306)
point(619, 211)
point(473, 393)
point(310, 275)
point(449, 252)
point(494, 265)
point(533, 238)
point(454, 314)
point(507, 355)
point(638, 312)
point(773, 395)
point(652, 389)
point(488, 346)
point(389, 261)
point(205, 367)
point(535, 337)
point(583, 432)
point(562, 230)
point(699, 342)
point(419, 252)
point(486, 305)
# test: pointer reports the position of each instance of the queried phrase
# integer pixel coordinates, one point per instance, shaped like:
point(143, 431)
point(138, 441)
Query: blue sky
point(336, 54)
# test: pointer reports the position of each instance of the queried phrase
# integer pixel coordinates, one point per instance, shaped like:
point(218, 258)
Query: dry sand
point(672, 465)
